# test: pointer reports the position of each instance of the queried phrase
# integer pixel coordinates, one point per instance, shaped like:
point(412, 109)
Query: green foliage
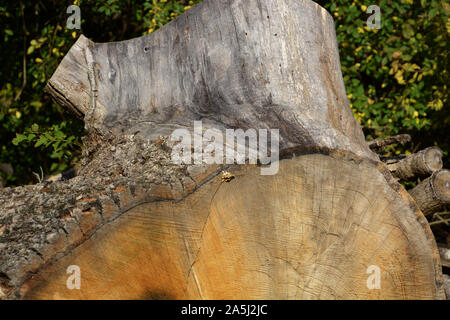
point(396, 77)
point(55, 138)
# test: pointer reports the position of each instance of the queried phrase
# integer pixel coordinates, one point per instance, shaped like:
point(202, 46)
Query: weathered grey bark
point(418, 165)
point(382, 143)
point(235, 64)
point(433, 194)
point(132, 213)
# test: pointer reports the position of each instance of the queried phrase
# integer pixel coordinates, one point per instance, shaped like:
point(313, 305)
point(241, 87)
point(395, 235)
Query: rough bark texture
point(140, 226)
point(433, 194)
point(417, 165)
point(312, 236)
point(41, 223)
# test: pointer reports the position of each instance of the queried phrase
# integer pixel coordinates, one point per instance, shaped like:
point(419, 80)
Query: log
point(332, 223)
point(310, 232)
point(433, 194)
point(418, 165)
point(379, 144)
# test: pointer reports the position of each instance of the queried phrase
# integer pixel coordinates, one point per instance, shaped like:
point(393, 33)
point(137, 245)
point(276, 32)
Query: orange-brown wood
point(309, 232)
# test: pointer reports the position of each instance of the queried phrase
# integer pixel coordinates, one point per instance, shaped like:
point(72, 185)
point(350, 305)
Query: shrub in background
point(396, 77)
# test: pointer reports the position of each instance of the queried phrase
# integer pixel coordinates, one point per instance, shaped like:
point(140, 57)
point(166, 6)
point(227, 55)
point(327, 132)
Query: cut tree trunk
point(235, 64)
point(313, 235)
point(140, 226)
point(433, 194)
point(418, 165)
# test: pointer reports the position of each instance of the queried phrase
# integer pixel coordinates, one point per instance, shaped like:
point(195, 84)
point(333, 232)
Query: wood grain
point(309, 232)
point(159, 231)
point(258, 64)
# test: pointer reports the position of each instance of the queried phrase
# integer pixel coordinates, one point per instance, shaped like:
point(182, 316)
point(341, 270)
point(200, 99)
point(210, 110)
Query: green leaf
point(36, 104)
point(41, 141)
point(30, 50)
point(19, 138)
point(54, 166)
point(59, 135)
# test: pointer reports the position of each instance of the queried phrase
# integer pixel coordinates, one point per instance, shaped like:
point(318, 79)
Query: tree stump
point(332, 223)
